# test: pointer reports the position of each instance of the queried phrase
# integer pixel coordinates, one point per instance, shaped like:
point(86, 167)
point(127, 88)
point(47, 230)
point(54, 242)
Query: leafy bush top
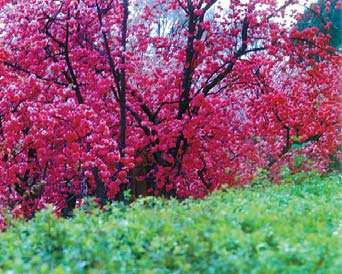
point(294, 227)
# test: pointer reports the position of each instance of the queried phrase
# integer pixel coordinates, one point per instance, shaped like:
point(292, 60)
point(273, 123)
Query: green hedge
point(294, 228)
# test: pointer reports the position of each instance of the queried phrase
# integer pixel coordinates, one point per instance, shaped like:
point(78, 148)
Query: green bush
point(291, 228)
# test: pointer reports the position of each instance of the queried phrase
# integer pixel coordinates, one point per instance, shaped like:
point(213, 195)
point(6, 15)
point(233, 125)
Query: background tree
point(327, 17)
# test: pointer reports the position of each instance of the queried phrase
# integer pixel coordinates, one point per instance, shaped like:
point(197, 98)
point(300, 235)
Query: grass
point(290, 228)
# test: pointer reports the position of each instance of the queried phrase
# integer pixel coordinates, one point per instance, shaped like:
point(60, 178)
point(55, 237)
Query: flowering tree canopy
point(95, 100)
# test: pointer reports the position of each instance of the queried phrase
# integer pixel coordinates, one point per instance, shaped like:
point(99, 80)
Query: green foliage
point(262, 178)
point(336, 162)
point(308, 177)
point(289, 228)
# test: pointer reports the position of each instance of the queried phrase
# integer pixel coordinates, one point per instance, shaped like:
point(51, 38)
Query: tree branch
point(241, 51)
point(76, 86)
point(187, 74)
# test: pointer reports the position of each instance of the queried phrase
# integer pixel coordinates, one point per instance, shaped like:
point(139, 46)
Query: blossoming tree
point(95, 102)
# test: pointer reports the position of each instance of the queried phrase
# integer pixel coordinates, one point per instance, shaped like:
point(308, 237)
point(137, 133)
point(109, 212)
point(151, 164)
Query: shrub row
point(291, 228)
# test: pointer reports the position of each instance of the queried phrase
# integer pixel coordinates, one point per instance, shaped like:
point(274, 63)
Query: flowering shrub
point(95, 101)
